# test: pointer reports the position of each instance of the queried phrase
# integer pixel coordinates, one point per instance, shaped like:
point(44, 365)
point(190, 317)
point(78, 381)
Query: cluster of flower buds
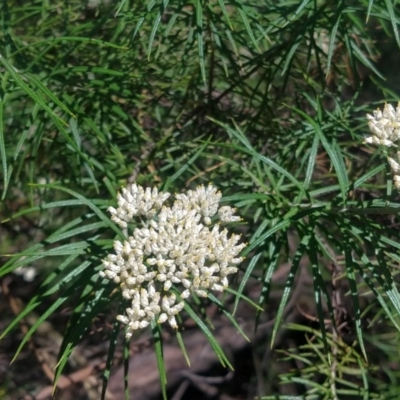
point(385, 128)
point(176, 251)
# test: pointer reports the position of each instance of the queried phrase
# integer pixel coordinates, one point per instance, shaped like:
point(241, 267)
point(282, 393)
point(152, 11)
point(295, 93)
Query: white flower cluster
point(385, 129)
point(395, 167)
point(384, 126)
point(174, 251)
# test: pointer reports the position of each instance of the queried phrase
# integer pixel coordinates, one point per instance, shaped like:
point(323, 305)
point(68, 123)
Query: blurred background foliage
point(265, 99)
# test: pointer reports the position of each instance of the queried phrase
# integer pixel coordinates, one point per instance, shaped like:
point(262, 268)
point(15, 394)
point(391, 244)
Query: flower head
point(135, 201)
point(174, 252)
point(384, 126)
point(385, 129)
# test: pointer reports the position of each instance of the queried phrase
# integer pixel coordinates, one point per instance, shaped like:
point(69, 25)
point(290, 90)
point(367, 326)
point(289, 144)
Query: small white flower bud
point(394, 165)
point(185, 294)
point(162, 318)
point(143, 324)
point(172, 322)
point(396, 180)
point(123, 319)
point(167, 285)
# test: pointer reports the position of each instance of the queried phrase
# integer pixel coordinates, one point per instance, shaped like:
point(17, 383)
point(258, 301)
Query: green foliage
point(266, 100)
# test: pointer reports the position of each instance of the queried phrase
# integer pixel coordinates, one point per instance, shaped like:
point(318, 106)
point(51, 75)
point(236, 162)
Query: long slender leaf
point(289, 284)
point(214, 344)
point(160, 358)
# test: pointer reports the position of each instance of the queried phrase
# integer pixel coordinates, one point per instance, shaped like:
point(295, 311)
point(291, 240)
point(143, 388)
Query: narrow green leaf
point(120, 6)
point(93, 299)
point(84, 201)
point(393, 20)
point(324, 190)
point(321, 389)
point(373, 287)
point(299, 9)
point(55, 40)
point(246, 23)
point(274, 254)
point(199, 36)
point(365, 376)
point(3, 154)
point(51, 285)
point(243, 297)
point(333, 151)
point(363, 58)
point(250, 150)
point(67, 351)
point(54, 204)
point(126, 355)
point(228, 315)
point(183, 347)
point(291, 53)
point(43, 89)
point(319, 287)
point(150, 6)
point(232, 43)
point(336, 157)
point(77, 231)
point(245, 198)
point(28, 129)
point(211, 339)
point(54, 306)
point(280, 226)
point(368, 175)
point(37, 99)
point(94, 70)
point(289, 284)
point(245, 278)
point(32, 254)
point(113, 339)
point(348, 246)
point(225, 13)
point(44, 290)
point(332, 40)
point(156, 330)
point(185, 166)
point(311, 162)
point(163, 6)
point(370, 4)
